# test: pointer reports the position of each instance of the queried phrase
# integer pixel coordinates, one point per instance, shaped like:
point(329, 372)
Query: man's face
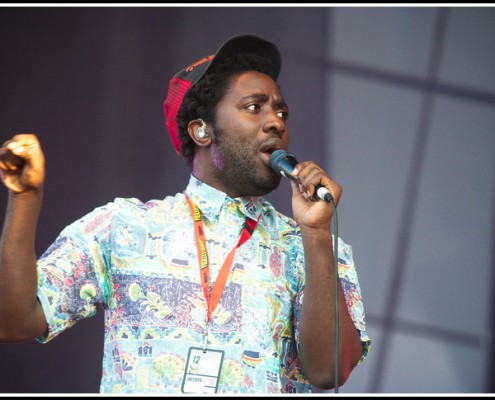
point(250, 125)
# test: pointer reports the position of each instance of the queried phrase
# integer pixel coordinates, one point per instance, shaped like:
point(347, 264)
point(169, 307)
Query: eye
point(253, 107)
point(283, 114)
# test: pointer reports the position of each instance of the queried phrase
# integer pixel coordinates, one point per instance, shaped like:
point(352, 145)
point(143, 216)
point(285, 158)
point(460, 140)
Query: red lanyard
point(213, 298)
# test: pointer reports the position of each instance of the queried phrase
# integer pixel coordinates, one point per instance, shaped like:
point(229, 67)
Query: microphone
point(284, 163)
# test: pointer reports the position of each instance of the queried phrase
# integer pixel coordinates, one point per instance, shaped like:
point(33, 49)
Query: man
point(208, 290)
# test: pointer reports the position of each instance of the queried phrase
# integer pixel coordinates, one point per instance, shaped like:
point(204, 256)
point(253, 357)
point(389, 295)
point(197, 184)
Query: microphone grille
point(277, 155)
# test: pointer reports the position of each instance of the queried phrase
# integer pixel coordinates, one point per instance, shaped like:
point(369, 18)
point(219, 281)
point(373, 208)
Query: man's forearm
point(318, 316)
point(20, 317)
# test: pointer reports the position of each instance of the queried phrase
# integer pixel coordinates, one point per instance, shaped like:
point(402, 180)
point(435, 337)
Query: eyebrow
point(263, 98)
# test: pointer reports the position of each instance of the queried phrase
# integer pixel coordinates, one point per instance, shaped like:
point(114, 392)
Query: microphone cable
point(336, 292)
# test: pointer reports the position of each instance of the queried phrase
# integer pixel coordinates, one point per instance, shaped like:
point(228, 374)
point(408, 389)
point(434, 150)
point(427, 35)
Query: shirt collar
point(210, 200)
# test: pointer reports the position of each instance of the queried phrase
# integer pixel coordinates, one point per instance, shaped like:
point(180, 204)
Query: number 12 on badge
point(202, 370)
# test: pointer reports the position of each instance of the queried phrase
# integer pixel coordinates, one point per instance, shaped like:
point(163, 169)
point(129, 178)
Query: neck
point(204, 172)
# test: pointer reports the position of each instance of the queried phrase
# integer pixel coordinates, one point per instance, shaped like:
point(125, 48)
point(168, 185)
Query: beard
point(237, 167)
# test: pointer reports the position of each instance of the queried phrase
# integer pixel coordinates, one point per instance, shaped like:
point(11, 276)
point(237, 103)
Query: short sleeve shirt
point(139, 262)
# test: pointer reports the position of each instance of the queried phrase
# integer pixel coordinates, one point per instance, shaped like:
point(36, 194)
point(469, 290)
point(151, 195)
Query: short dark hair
point(201, 100)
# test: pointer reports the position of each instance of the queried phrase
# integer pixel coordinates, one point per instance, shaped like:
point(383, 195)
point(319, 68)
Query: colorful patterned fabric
point(139, 261)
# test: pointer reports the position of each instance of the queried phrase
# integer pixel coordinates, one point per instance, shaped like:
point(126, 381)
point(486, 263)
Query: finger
point(309, 176)
point(10, 161)
point(22, 149)
point(22, 139)
point(295, 187)
point(297, 190)
point(314, 179)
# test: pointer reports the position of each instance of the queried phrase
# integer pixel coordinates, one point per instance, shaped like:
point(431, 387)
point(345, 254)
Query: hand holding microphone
point(284, 162)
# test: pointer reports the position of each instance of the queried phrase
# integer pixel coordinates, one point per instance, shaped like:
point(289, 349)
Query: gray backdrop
point(397, 103)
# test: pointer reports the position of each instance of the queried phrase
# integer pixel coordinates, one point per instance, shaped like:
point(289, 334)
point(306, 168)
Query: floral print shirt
point(139, 261)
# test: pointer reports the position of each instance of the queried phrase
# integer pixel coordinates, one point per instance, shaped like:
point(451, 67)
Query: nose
point(275, 123)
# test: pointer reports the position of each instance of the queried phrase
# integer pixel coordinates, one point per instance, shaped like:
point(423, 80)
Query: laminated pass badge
point(202, 370)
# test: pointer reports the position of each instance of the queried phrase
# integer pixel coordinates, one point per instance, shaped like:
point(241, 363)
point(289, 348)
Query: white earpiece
point(202, 130)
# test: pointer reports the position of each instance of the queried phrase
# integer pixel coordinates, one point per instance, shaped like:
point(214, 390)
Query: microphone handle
point(323, 193)
point(284, 163)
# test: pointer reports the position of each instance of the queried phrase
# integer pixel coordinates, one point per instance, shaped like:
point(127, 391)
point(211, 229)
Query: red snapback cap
point(183, 80)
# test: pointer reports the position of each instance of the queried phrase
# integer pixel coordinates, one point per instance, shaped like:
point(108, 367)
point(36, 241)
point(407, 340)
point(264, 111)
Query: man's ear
point(198, 132)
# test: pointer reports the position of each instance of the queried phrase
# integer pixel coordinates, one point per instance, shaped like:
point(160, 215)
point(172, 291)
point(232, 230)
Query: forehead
point(252, 82)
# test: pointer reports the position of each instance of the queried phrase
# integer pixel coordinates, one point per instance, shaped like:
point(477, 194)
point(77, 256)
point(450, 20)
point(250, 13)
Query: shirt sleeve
point(352, 293)
point(72, 273)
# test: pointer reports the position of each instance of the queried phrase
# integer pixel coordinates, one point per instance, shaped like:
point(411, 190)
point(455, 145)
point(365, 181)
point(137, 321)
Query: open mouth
point(267, 149)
